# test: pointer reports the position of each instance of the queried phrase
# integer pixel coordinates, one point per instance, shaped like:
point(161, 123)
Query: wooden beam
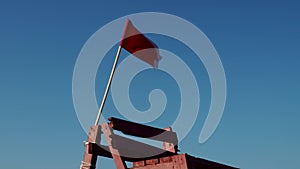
point(144, 131)
point(109, 136)
point(103, 151)
point(134, 149)
point(89, 160)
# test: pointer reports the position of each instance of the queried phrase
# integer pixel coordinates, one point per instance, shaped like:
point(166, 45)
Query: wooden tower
point(143, 156)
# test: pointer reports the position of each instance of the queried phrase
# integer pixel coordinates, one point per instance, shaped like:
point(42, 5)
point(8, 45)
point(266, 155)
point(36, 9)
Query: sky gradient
point(258, 44)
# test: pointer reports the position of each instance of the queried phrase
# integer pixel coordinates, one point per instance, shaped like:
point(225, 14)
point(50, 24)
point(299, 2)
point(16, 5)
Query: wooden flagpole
point(108, 85)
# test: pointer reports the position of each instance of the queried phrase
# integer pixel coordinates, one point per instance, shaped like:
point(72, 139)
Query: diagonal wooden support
point(89, 160)
point(108, 133)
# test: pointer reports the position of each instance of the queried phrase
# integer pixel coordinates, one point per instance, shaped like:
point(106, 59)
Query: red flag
point(139, 45)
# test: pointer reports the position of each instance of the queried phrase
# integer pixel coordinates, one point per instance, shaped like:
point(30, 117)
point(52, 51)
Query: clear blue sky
point(258, 43)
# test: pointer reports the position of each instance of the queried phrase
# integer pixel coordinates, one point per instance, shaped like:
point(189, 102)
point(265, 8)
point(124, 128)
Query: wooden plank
point(194, 162)
point(170, 146)
point(132, 148)
point(103, 151)
point(144, 131)
point(89, 160)
point(109, 136)
point(181, 161)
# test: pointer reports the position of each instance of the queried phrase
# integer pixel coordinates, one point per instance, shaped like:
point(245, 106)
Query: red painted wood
point(144, 131)
point(89, 160)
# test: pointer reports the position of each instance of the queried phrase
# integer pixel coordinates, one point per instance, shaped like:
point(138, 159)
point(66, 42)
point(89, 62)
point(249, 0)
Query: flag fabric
point(139, 45)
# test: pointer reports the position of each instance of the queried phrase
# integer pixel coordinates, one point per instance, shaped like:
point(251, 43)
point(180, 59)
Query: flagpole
point(108, 85)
